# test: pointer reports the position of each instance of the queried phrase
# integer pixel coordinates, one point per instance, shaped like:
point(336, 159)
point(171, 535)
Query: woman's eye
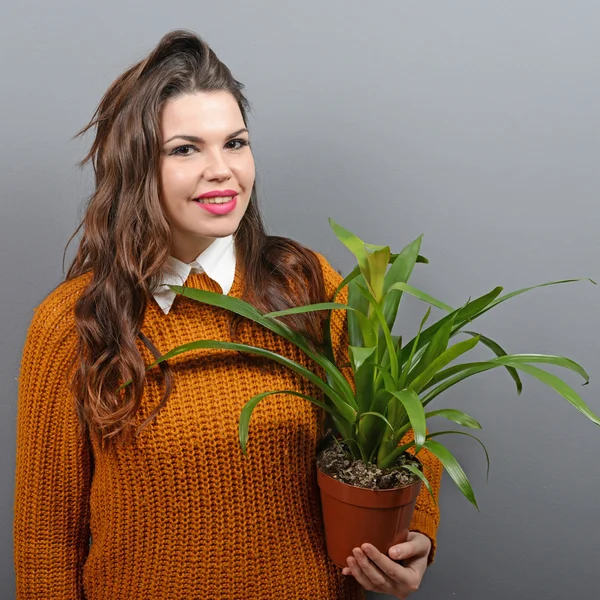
point(237, 144)
point(241, 143)
point(178, 150)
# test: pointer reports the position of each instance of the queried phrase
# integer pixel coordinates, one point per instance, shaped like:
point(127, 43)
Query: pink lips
point(219, 209)
point(218, 193)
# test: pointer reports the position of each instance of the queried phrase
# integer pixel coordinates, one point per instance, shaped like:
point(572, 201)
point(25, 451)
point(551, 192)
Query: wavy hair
point(126, 238)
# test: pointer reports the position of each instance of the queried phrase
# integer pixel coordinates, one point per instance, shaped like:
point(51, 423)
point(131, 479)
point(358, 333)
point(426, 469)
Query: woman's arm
point(53, 465)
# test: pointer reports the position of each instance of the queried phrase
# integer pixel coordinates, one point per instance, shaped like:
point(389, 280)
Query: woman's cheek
point(180, 186)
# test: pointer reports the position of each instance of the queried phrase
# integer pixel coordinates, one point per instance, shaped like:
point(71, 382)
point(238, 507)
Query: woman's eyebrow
point(199, 140)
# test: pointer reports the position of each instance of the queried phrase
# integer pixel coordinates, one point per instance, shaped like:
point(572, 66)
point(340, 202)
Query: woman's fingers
point(357, 572)
point(375, 575)
point(377, 572)
point(417, 545)
point(395, 574)
point(382, 573)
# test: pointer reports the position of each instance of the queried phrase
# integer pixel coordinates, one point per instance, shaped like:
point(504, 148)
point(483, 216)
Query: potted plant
point(368, 478)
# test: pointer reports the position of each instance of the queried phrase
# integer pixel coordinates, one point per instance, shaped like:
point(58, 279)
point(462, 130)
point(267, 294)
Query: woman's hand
point(377, 572)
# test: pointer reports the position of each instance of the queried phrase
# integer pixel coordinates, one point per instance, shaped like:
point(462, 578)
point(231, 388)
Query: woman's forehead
point(202, 114)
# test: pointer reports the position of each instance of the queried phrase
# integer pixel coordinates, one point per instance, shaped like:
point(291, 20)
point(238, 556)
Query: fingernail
point(395, 554)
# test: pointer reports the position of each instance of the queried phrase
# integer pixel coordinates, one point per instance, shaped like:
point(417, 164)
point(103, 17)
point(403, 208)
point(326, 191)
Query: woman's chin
point(217, 230)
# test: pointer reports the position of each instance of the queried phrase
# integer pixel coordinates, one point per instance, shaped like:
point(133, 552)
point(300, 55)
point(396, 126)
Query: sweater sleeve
point(426, 516)
point(53, 462)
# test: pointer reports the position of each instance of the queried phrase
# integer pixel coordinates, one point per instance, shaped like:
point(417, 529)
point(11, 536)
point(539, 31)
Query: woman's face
point(205, 149)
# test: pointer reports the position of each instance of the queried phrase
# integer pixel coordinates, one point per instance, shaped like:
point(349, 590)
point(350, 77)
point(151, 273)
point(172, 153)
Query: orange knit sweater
point(180, 513)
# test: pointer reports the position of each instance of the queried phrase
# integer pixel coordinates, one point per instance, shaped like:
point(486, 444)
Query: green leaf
point(457, 416)
point(356, 272)
point(454, 375)
point(380, 401)
point(400, 272)
point(388, 455)
point(345, 431)
point(397, 415)
point(404, 264)
point(363, 365)
point(433, 350)
point(466, 370)
point(245, 309)
point(386, 332)
point(407, 366)
point(355, 245)
point(461, 316)
point(422, 477)
point(517, 361)
point(378, 415)
point(371, 429)
point(308, 308)
point(453, 469)
point(349, 278)
point(560, 361)
point(356, 325)
point(345, 410)
point(359, 355)
point(378, 260)
point(385, 360)
point(251, 404)
point(412, 404)
point(329, 351)
point(397, 341)
point(498, 351)
point(413, 291)
point(556, 384)
point(487, 456)
point(533, 287)
point(441, 361)
point(389, 382)
point(369, 336)
point(498, 300)
point(391, 303)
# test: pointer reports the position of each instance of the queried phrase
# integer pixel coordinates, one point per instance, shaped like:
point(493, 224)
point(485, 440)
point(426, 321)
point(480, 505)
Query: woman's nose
point(217, 167)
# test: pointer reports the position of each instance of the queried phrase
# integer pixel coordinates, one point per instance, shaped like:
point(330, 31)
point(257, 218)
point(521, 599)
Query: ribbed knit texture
point(180, 513)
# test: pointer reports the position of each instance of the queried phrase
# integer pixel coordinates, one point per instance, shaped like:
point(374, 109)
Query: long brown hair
point(126, 237)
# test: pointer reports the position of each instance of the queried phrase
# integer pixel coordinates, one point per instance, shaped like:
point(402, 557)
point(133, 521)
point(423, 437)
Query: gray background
point(473, 122)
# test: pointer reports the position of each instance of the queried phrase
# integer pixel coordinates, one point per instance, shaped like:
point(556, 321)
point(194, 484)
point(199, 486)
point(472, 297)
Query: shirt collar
point(217, 261)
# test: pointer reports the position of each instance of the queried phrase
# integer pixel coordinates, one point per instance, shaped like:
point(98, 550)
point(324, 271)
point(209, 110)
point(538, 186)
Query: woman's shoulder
point(331, 276)
point(56, 310)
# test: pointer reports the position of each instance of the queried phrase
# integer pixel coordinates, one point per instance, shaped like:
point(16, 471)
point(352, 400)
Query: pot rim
point(391, 498)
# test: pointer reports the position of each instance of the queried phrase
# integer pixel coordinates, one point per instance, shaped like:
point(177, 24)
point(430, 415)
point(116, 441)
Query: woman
point(143, 492)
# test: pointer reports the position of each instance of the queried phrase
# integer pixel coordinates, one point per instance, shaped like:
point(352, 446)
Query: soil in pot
point(336, 461)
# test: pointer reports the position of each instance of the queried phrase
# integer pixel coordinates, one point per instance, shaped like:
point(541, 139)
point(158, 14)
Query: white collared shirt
point(217, 261)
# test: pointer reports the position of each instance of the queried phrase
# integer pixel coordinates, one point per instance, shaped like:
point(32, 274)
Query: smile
point(217, 200)
point(218, 206)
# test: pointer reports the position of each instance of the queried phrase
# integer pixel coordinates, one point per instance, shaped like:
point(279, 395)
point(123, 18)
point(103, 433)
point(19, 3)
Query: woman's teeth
point(219, 200)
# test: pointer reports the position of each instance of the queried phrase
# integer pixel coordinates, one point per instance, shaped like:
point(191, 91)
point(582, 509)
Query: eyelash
point(243, 143)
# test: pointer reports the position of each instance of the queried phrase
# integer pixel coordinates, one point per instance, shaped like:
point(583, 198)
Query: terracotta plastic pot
point(354, 515)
